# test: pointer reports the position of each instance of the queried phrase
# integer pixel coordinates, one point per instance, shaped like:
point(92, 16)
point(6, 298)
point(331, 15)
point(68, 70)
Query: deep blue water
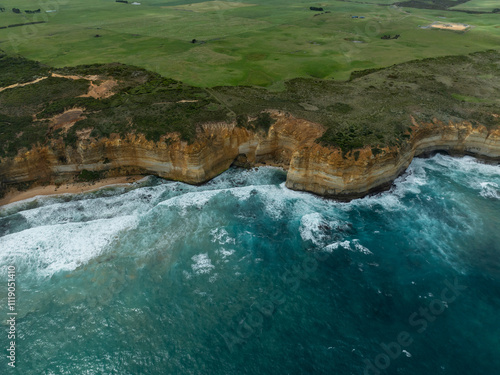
point(243, 276)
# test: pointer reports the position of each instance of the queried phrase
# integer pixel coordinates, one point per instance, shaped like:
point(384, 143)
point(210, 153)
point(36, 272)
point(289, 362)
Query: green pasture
point(249, 42)
point(479, 5)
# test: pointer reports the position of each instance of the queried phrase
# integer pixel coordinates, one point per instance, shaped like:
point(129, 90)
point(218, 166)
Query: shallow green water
point(243, 276)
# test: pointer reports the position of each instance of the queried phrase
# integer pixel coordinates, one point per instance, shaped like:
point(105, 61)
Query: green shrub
point(19, 70)
point(263, 121)
point(88, 176)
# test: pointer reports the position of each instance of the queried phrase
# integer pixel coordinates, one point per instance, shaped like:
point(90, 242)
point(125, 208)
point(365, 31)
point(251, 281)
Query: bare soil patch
point(66, 119)
point(103, 90)
point(22, 84)
point(450, 26)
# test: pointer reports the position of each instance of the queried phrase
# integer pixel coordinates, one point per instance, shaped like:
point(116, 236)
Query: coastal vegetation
point(373, 108)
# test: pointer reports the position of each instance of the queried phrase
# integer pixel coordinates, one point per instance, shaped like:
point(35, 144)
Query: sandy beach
point(70, 188)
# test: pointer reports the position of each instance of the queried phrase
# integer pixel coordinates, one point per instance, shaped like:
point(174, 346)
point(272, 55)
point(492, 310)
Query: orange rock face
point(289, 143)
point(323, 170)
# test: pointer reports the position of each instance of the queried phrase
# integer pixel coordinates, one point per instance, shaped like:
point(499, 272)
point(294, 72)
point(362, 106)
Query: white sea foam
point(360, 248)
point(197, 199)
point(389, 201)
point(310, 228)
point(279, 200)
point(225, 253)
point(221, 236)
point(353, 245)
point(407, 353)
point(409, 183)
point(316, 228)
point(466, 164)
point(131, 203)
point(275, 202)
point(275, 198)
point(244, 178)
point(243, 193)
point(200, 198)
point(47, 250)
point(472, 173)
point(334, 246)
point(55, 220)
point(202, 264)
point(490, 190)
point(412, 180)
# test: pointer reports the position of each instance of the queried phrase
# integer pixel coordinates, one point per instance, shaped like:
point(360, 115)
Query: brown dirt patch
point(450, 26)
point(22, 84)
point(100, 91)
point(66, 119)
point(84, 134)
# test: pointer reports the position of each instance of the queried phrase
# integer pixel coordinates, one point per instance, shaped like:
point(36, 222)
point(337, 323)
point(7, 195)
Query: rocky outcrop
point(216, 147)
point(289, 143)
point(324, 171)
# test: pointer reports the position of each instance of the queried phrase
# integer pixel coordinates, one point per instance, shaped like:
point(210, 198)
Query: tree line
point(17, 10)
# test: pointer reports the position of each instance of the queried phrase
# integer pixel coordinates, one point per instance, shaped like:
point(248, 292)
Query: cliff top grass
point(372, 108)
point(244, 42)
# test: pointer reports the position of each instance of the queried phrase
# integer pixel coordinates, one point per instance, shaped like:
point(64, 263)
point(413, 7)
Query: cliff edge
point(290, 143)
point(336, 139)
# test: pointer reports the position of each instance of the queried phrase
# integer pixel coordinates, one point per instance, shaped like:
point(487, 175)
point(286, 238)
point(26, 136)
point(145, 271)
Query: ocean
point(243, 276)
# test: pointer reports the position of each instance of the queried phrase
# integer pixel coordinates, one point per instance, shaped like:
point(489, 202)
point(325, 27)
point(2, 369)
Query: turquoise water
point(243, 276)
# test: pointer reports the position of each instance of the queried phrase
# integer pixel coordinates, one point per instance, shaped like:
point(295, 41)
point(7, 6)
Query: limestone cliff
point(324, 171)
point(217, 146)
point(289, 143)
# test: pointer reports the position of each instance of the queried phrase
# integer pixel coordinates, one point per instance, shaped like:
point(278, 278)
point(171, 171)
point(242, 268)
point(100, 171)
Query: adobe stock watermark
point(28, 30)
point(11, 315)
point(254, 317)
point(420, 320)
point(369, 28)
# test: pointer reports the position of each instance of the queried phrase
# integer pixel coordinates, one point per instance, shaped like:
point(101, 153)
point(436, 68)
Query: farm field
point(479, 5)
point(250, 42)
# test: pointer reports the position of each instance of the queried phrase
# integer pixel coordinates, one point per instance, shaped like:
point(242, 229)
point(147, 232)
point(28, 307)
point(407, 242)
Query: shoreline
point(322, 170)
point(14, 196)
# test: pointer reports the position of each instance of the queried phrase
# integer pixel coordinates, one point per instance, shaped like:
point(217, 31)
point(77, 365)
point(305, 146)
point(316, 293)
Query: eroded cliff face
point(216, 147)
point(290, 143)
point(324, 171)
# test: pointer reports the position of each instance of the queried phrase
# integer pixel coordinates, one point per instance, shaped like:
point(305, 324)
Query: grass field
point(479, 5)
point(247, 42)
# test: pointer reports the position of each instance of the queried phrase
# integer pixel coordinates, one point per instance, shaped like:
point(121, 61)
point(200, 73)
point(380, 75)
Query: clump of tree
point(2, 9)
point(24, 24)
point(316, 9)
point(389, 37)
point(32, 11)
point(122, 1)
point(88, 176)
point(347, 138)
point(263, 121)
point(16, 10)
